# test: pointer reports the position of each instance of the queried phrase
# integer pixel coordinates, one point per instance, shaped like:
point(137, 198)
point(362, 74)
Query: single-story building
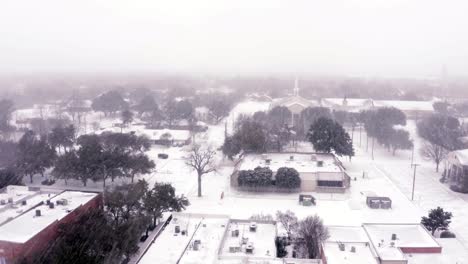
point(456, 172)
point(318, 171)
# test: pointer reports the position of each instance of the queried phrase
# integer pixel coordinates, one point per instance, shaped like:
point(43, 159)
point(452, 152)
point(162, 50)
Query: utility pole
point(414, 180)
point(412, 156)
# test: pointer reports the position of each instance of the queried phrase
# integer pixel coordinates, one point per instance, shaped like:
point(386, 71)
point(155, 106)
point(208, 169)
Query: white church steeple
point(296, 87)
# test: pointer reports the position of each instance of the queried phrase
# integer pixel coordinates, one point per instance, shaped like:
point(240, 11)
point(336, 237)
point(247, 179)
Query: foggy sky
point(402, 38)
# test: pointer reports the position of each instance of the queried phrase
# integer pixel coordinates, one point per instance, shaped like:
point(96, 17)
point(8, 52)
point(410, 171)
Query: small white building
point(456, 172)
point(318, 172)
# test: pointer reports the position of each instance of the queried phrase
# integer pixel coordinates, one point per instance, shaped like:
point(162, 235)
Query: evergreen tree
point(287, 178)
point(437, 219)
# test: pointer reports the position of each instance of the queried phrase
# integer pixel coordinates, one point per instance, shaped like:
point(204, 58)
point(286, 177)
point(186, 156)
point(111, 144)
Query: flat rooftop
point(302, 162)
point(210, 234)
point(262, 240)
point(170, 246)
point(13, 197)
point(27, 225)
point(407, 236)
point(362, 253)
point(353, 234)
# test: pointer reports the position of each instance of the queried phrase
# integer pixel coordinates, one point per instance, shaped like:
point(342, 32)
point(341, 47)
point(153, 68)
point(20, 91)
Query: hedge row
point(263, 177)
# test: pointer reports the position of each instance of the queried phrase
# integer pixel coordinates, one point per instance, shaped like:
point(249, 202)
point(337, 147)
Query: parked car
point(163, 156)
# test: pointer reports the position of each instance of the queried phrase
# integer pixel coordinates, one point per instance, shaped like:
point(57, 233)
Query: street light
point(414, 179)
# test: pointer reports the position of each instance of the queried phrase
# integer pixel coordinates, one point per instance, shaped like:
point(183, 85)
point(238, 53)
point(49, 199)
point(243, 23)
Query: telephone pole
point(414, 180)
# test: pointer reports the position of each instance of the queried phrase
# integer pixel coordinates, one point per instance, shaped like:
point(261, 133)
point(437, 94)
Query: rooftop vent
point(353, 249)
point(38, 213)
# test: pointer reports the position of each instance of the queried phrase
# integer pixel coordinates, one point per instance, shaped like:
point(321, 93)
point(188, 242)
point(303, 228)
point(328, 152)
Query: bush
point(259, 177)
point(281, 244)
point(288, 178)
point(447, 234)
point(459, 189)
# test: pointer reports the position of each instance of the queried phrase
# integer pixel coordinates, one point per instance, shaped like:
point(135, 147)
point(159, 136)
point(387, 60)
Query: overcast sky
point(358, 37)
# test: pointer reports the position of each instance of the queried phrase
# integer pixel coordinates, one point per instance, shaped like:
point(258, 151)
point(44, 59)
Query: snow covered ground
point(386, 175)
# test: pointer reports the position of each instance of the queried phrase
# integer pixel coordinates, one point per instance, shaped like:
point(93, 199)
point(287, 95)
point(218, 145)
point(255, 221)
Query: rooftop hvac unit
point(62, 202)
point(253, 227)
point(10, 200)
point(291, 158)
point(38, 213)
point(235, 233)
point(320, 163)
point(394, 237)
point(177, 229)
point(2, 202)
point(268, 161)
point(342, 246)
point(48, 202)
point(51, 205)
point(353, 249)
point(23, 202)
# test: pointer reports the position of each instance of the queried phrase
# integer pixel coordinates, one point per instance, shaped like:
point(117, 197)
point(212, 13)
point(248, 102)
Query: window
point(330, 183)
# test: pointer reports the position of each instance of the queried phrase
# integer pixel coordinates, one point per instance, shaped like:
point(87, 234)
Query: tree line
point(88, 157)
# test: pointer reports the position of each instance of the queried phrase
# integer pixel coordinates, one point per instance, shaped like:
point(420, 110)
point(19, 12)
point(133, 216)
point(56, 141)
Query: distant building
point(296, 104)
point(29, 218)
point(318, 172)
point(456, 172)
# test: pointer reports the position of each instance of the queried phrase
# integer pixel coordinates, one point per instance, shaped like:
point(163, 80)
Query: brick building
point(30, 232)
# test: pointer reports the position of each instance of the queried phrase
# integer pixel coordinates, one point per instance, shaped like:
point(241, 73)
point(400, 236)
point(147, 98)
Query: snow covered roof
point(155, 134)
point(302, 162)
point(407, 236)
point(461, 156)
point(292, 100)
point(262, 240)
point(406, 105)
point(453, 252)
point(362, 253)
point(26, 226)
point(171, 246)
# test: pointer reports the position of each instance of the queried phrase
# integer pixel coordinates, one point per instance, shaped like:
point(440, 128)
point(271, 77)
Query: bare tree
point(313, 233)
point(289, 221)
point(202, 161)
point(434, 152)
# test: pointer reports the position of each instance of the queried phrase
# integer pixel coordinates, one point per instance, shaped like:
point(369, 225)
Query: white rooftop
point(26, 226)
point(169, 246)
point(362, 253)
point(262, 240)
point(461, 156)
point(409, 236)
point(210, 234)
point(302, 162)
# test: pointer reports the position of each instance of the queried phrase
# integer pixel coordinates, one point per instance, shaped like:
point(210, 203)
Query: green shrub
point(287, 178)
point(259, 177)
point(447, 234)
